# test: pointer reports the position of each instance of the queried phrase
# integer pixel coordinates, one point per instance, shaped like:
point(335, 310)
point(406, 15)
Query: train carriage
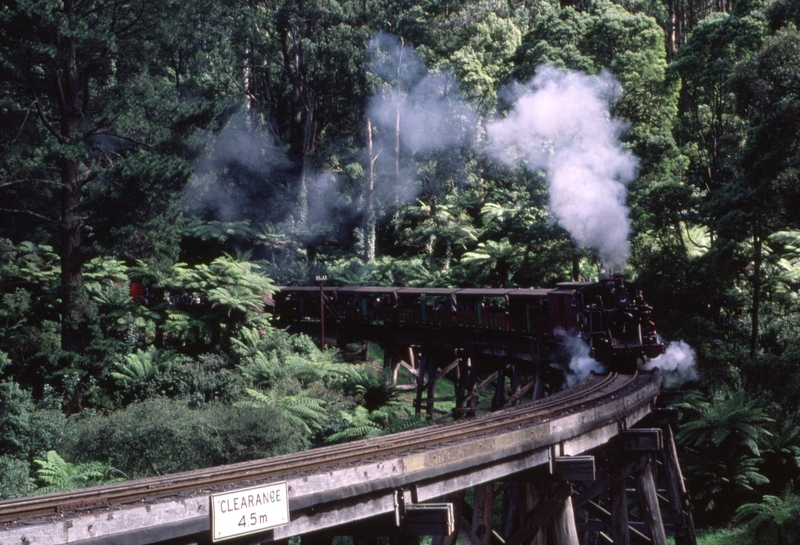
point(528, 311)
point(610, 315)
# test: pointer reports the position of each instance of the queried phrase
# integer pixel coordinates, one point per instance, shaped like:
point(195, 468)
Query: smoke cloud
point(581, 365)
point(322, 196)
point(560, 124)
point(237, 149)
point(432, 115)
point(678, 365)
point(426, 110)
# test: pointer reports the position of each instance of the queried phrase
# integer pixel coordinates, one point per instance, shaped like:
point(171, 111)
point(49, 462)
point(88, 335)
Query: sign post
point(249, 510)
point(322, 279)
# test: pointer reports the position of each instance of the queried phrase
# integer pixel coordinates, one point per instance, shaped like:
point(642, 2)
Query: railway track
point(592, 392)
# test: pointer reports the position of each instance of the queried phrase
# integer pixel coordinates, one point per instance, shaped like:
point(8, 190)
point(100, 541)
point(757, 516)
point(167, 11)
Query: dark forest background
point(220, 148)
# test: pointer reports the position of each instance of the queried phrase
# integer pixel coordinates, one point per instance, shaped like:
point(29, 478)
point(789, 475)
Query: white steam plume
point(432, 114)
point(560, 123)
point(322, 196)
point(237, 147)
point(426, 110)
point(580, 363)
point(677, 364)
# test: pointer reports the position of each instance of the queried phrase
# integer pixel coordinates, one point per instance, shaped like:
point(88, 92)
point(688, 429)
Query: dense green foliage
point(209, 151)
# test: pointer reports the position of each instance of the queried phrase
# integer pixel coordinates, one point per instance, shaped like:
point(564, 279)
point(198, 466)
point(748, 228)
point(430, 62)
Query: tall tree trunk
point(302, 194)
point(303, 129)
point(672, 29)
point(397, 123)
point(309, 146)
point(68, 85)
point(70, 254)
point(369, 215)
point(397, 155)
point(757, 247)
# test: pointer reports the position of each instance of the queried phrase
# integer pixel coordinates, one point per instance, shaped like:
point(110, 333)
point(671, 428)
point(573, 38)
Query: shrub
point(160, 436)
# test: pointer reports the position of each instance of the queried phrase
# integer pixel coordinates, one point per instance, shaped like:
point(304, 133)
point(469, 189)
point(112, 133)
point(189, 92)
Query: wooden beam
point(684, 524)
point(620, 533)
point(467, 515)
point(564, 530)
point(408, 367)
point(431, 365)
point(532, 496)
point(412, 359)
point(665, 417)
point(447, 369)
point(457, 500)
point(673, 486)
point(522, 391)
point(482, 514)
point(669, 398)
point(648, 505)
point(512, 502)
point(609, 480)
point(609, 519)
point(429, 519)
point(574, 468)
point(641, 440)
point(480, 387)
point(547, 509)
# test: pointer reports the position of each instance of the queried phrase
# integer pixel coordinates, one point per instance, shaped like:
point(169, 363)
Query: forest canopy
point(226, 148)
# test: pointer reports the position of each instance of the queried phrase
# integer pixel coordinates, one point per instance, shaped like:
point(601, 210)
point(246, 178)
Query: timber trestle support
point(483, 380)
point(630, 491)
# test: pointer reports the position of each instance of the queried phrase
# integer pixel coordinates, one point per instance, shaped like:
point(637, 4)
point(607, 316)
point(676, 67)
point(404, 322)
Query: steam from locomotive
point(560, 123)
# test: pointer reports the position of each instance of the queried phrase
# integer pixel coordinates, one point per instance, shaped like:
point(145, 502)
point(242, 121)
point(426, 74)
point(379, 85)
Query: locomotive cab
point(614, 321)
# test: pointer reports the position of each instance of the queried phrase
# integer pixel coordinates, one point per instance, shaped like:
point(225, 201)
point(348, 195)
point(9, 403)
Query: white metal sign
point(249, 510)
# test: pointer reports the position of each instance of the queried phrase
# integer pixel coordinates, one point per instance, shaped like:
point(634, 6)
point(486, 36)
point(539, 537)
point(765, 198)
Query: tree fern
point(137, 367)
point(359, 426)
point(776, 519)
point(261, 369)
point(722, 442)
point(56, 475)
point(732, 422)
point(307, 412)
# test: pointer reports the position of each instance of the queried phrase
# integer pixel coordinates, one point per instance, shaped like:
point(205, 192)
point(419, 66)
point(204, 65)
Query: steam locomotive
point(609, 315)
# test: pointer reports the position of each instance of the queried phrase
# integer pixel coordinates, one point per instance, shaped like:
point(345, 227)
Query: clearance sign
point(249, 510)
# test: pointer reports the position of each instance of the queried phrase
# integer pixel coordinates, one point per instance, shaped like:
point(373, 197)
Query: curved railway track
point(593, 391)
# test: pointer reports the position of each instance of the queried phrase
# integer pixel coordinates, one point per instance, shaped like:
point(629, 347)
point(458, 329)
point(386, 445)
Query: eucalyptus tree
point(781, 12)
point(305, 81)
point(710, 129)
point(763, 199)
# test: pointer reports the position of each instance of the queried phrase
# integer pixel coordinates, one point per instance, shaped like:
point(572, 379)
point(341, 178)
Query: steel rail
point(591, 391)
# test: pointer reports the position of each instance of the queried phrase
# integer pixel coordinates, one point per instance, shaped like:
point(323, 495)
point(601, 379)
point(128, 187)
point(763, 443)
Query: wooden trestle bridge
point(592, 464)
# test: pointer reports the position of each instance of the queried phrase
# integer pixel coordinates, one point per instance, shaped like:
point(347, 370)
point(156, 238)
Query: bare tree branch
point(31, 213)
point(131, 140)
point(27, 114)
point(50, 127)
point(30, 180)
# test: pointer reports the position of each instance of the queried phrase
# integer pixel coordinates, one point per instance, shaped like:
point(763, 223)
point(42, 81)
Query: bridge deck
point(344, 491)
